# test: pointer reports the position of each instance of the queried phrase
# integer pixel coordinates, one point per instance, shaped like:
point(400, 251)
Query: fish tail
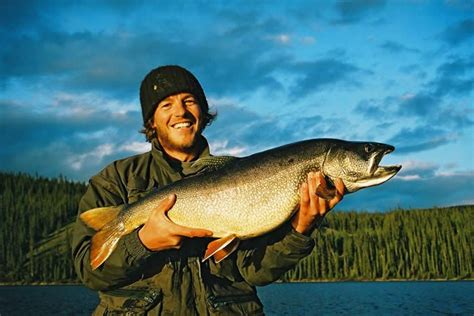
point(104, 242)
point(98, 217)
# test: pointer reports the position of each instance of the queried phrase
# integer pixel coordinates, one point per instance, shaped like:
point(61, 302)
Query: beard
point(186, 144)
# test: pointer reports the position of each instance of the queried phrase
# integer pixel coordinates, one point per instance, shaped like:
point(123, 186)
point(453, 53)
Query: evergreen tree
point(36, 216)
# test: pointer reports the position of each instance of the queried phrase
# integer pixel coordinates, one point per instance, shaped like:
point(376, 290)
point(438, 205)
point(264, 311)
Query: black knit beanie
point(164, 81)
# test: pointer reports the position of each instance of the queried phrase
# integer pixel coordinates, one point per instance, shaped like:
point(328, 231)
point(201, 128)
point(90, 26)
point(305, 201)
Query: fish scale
point(222, 205)
point(224, 211)
point(240, 198)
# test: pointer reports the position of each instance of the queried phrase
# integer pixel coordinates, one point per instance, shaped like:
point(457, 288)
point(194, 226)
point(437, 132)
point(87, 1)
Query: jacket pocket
point(238, 304)
point(129, 302)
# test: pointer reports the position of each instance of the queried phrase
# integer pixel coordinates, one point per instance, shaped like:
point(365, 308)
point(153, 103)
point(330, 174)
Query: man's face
point(178, 121)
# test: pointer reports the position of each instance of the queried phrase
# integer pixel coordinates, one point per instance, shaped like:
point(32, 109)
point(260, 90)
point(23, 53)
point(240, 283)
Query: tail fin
point(98, 217)
point(104, 242)
point(221, 248)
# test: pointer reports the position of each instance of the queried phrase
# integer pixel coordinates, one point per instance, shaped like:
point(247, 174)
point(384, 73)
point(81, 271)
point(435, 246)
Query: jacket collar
point(184, 168)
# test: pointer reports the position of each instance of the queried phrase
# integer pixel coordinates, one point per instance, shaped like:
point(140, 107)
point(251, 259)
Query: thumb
point(165, 205)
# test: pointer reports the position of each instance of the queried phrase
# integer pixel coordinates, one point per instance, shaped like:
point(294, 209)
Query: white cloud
point(219, 147)
point(466, 173)
point(97, 135)
point(411, 165)
point(86, 104)
point(281, 38)
point(408, 96)
point(308, 40)
point(136, 147)
point(286, 39)
point(417, 170)
point(409, 177)
point(77, 162)
point(221, 102)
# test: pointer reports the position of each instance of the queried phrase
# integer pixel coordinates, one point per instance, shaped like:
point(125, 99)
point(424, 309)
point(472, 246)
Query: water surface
point(335, 298)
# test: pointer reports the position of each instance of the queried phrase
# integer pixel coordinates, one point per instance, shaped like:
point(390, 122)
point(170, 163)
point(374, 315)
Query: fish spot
point(291, 160)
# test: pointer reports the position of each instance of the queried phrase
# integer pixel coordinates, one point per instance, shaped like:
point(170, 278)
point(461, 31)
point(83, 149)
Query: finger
point(340, 189)
point(304, 202)
point(191, 232)
point(313, 183)
point(304, 195)
point(323, 206)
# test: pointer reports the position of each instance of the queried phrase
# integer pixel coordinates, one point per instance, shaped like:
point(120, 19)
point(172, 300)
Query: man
point(157, 270)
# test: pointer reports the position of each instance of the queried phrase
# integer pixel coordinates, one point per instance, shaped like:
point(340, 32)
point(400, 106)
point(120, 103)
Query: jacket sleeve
point(264, 260)
point(124, 265)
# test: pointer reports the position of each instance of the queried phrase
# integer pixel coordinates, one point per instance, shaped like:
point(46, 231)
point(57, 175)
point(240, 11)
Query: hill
point(36, 216)
point(33, 239)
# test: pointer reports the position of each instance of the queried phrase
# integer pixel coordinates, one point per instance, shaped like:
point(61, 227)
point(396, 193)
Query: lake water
point(338, 298)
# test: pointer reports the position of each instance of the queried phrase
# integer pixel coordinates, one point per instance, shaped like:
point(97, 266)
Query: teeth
point(182, 125)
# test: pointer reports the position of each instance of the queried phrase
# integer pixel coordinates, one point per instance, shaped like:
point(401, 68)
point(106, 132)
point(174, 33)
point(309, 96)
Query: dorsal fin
point(211, 163)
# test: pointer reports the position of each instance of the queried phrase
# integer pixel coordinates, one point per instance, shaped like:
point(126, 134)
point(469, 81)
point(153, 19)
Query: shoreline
point(374, 280)
point(276, 282)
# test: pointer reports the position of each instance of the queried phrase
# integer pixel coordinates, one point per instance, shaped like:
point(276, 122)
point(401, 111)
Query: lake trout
point(248, 197)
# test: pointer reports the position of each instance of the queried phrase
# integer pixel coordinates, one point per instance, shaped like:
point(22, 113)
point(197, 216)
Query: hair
point(150, 131)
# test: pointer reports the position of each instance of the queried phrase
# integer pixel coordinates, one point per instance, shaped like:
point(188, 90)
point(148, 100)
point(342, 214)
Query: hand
point(160, 233)
point(312, 208)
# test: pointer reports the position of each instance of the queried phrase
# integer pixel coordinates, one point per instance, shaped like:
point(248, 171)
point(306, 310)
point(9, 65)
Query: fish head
point(357, 164)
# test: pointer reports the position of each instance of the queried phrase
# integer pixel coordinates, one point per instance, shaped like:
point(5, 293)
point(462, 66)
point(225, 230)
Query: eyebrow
point(189, 95)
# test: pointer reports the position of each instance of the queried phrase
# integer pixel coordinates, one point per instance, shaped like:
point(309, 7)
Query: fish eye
point(369, 148)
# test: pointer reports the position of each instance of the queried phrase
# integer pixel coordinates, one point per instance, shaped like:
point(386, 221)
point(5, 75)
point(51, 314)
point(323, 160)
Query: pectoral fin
point(221, 248)
point(325, 192)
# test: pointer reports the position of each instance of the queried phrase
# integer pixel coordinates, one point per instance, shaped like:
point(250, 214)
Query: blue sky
point(399, 72)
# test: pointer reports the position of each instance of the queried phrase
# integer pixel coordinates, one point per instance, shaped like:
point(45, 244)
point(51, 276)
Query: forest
point(36, 216)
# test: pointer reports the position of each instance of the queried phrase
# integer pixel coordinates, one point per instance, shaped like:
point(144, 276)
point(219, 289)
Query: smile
point(181, 125)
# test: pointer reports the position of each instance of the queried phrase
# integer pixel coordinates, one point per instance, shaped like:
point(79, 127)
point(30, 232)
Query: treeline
point(402, 244)
point(34, 210)
point(36, 215)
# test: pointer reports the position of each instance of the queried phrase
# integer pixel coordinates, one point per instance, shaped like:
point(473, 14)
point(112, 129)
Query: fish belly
point(247, 209)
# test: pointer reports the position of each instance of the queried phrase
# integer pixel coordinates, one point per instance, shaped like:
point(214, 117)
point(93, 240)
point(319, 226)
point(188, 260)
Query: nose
point(179, 109)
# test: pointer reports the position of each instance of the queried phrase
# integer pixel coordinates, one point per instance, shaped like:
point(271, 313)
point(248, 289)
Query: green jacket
point(136, 281)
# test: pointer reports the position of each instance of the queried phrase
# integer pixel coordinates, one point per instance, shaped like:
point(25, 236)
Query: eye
point(190, 101)
point(369, 148)
point(165, 105)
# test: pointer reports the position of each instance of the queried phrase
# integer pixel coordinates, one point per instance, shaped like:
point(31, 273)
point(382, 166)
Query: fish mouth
point(379, 174)
point(383, 171)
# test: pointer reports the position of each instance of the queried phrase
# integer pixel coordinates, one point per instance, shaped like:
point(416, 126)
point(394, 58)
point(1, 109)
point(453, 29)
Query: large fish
point(248, 197)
